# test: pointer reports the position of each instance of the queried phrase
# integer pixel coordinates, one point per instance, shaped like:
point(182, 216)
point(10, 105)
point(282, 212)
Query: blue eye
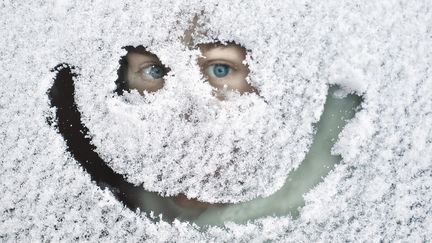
point(219, 70)
point(154, 72)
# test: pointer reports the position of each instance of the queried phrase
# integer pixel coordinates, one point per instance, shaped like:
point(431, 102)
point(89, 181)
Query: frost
point(231, 151)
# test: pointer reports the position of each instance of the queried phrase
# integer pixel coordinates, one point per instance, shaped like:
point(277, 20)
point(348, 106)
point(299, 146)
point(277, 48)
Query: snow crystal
point(234, 150)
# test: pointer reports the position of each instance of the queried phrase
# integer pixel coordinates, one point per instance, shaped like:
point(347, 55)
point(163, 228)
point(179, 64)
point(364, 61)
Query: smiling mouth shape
point(185, 202)
point(68, 122)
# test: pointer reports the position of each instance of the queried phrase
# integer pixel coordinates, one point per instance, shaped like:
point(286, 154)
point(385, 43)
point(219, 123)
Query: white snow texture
point(226, 151)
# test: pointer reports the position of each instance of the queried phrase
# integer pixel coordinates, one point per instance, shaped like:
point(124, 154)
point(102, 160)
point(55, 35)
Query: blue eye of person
point(154, 72)
point(219, 70)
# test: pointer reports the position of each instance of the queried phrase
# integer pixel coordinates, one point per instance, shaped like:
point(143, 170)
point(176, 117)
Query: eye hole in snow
point(224, 68)
point(288, 200)
point(140, 70)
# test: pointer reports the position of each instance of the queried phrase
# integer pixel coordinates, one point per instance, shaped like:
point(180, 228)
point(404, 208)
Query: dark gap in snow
point(121, 84)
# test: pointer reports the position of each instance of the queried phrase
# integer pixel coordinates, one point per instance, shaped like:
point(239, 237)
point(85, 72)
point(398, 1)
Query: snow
point(296, 49)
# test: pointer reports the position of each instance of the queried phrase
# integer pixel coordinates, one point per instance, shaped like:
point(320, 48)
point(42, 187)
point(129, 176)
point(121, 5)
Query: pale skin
point(222, 67)
point(231, 55)
point(137, 73)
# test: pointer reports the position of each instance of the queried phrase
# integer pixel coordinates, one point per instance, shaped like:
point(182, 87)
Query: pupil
point(221, 70)
point(156, 72)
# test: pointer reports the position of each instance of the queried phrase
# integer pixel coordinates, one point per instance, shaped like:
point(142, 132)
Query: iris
point(154, 72)
point(219, 70)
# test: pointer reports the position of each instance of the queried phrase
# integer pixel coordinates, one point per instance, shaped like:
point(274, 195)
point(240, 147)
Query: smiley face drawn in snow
point(178, 135)
point(180, 206)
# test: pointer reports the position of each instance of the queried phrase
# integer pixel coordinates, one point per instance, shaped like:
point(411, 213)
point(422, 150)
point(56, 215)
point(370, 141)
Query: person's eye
point(153, 72)
point(219, 70)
